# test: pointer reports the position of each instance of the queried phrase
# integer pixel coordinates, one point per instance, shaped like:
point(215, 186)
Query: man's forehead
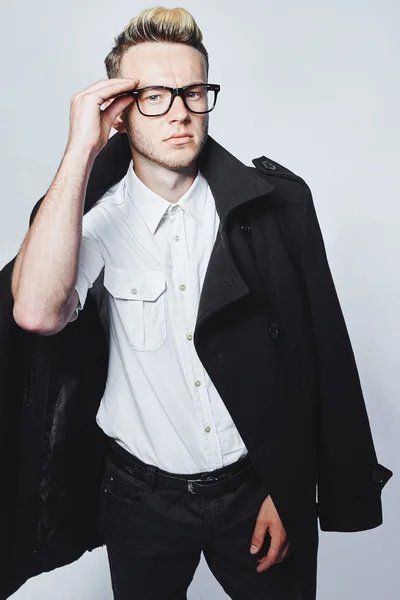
point(163, 67)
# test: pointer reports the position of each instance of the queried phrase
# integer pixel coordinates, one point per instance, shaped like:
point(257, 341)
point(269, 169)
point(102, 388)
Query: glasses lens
point(200, 99)
point(154, 101)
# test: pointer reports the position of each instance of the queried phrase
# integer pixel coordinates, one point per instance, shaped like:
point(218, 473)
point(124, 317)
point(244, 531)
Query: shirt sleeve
point(91, 260)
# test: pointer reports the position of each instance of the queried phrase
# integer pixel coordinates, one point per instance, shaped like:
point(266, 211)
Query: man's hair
point(157, 24)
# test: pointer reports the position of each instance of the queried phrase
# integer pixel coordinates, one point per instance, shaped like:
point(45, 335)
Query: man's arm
point(45, 269)
point(350, 479)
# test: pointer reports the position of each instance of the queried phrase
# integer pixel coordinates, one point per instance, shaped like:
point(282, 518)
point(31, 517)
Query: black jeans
point(154, 537)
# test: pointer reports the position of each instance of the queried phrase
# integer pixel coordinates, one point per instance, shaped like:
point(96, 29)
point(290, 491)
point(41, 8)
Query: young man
point(220, 413)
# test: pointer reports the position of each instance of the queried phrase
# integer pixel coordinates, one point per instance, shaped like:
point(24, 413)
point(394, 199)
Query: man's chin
point(178, 158)
point(176, 164)
point(170, 156)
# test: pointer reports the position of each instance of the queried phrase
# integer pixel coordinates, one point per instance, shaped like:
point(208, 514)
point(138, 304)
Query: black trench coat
point(269, 332)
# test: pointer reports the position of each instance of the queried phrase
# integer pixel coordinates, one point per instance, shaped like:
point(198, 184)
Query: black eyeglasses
point(154, 101)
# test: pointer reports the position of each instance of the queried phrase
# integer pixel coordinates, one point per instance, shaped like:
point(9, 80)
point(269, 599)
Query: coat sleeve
point(350, 479)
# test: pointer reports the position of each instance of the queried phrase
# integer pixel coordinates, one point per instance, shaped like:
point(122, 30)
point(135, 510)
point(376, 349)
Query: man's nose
point(178, 109)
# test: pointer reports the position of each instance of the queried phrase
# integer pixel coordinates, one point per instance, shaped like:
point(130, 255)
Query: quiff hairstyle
point(157, 24)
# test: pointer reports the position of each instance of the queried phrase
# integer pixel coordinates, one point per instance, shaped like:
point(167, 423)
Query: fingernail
point(253, 549)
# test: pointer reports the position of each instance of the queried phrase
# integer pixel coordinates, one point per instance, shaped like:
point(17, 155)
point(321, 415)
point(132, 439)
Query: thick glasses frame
point(175, 92)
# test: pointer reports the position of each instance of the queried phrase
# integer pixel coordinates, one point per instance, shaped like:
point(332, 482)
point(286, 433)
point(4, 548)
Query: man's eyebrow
point(161, 84)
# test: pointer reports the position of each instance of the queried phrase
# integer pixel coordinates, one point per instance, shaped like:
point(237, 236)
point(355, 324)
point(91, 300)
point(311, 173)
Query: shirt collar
point(152, 207)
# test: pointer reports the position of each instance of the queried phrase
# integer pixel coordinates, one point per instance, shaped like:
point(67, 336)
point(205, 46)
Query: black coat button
point(218, 358)
point(377, 476)
point(268, 165)
point(246, 229)
point(273, 330)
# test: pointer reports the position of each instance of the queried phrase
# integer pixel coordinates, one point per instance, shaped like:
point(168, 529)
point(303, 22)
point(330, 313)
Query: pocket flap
point(133, 284)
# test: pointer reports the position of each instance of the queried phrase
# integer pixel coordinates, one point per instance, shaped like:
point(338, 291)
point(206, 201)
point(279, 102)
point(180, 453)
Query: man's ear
point(119, 124)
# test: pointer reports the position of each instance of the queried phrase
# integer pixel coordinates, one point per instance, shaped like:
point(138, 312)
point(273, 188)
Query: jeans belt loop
point(150, 476)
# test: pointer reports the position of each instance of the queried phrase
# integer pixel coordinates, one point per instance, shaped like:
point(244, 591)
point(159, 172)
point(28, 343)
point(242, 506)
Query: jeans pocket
point(124, 487)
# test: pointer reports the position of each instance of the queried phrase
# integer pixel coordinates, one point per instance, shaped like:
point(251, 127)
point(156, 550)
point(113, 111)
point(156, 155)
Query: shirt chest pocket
point(139, 297)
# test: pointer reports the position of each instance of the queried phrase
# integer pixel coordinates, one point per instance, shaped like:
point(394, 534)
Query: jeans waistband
point(205, 482)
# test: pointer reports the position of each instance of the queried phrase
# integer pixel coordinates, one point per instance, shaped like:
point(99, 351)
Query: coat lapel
point(232, 184)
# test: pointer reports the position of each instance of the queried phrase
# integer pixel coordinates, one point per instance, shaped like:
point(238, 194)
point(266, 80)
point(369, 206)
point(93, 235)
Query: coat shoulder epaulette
point(289, 187)
point(267, 166)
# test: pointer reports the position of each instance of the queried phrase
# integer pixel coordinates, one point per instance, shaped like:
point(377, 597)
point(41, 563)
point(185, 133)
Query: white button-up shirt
point(159, 403)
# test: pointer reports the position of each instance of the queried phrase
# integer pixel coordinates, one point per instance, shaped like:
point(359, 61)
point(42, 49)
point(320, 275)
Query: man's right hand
point(89, 125)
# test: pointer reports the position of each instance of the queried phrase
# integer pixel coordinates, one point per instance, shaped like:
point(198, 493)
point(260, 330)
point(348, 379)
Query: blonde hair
point(157, 24)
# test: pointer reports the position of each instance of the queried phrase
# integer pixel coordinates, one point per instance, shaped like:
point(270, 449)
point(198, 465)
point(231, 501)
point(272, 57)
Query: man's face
point(174, 65)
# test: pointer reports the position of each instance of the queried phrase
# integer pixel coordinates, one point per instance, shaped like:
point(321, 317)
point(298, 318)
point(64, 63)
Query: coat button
point(246, 229)
point(377, 476)
point(218, 358)
point(268, 165)
point(273, 330)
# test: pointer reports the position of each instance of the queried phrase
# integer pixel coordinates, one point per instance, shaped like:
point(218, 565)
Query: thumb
point(115, 107)
point(273, 553)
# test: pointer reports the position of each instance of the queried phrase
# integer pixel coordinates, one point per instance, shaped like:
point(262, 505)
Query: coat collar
point(232, 184)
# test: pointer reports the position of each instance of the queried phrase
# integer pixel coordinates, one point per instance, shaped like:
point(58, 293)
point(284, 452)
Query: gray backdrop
point(324, 77)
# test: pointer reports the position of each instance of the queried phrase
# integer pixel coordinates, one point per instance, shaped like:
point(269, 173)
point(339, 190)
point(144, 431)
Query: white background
point(313, 85)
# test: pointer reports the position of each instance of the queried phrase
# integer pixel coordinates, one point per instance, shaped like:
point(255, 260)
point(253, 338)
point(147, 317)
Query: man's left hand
point(268, 519)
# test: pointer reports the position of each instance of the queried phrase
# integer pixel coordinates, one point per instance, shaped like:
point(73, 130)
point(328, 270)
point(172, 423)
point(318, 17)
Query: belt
point(207, 483)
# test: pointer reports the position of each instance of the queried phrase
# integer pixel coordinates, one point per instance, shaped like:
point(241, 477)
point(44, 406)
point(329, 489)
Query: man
point(230, 388)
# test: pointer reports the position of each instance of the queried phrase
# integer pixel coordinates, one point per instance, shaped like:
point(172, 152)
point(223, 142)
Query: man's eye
point(152, 97)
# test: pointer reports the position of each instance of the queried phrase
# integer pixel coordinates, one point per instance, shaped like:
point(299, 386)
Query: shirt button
point(197, 383)
point(134, 291)
point(207, 429)
point(189, 337)
point(182, 287)
point(176, 238)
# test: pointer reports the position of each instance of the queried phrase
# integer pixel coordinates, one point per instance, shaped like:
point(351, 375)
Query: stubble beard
point(181, 158)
